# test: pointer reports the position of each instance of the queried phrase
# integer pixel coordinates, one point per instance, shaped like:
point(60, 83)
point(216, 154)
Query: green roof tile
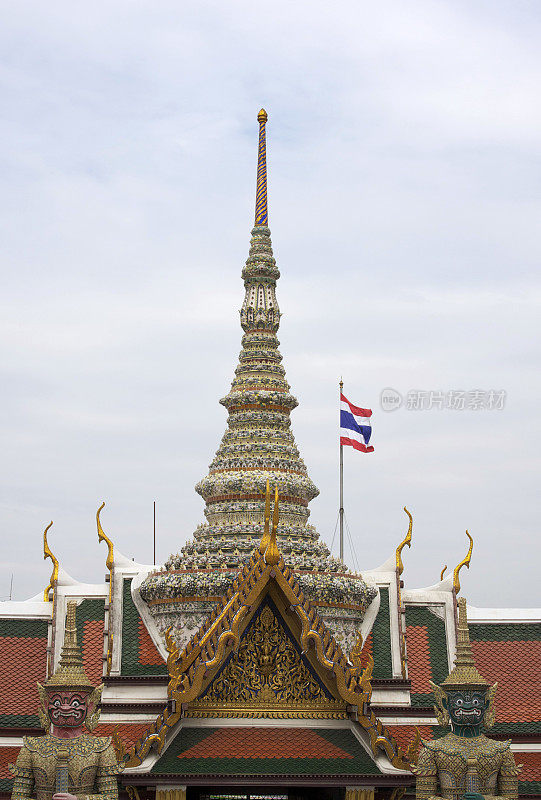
point(381, 638)
point(131, 657)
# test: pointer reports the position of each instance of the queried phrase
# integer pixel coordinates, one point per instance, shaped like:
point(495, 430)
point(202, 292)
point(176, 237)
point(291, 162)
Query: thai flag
point(355, 425)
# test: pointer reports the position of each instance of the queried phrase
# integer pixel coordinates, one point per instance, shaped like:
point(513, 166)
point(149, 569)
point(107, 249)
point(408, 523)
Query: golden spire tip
point(262, 116)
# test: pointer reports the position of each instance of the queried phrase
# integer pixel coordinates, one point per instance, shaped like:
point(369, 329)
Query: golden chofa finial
point(464, 563)
point(262, 116)
point(266, 528)
point(407, 541)
point(54, 575)
point(443, 572)
point(109, 561)
point(272, 554)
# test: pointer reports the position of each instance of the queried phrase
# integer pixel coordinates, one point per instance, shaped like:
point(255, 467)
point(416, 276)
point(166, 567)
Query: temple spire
point(261, 213)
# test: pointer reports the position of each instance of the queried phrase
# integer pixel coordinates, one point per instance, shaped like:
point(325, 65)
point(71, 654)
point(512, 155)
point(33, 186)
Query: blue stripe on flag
point(347, 420)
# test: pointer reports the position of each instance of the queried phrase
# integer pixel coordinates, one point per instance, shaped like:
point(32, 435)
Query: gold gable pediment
point(267, 676)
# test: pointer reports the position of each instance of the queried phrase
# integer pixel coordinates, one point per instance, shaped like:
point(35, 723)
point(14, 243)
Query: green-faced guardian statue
point(464, 764)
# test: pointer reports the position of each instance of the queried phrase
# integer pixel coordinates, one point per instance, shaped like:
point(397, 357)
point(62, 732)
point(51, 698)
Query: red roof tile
point(531, 766)
point(129, 732)
point(148, 653)
point(419, 669)
point(516, 666)
point(92, 646)
point(8, 755)
point(404, 734)
point(245, 742)
point(24, 662)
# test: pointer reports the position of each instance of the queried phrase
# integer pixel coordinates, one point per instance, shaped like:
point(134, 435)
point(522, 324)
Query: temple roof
point(266, 751)
point(194, 667)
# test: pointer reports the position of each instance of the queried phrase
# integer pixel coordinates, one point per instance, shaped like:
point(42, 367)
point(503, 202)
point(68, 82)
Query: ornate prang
point(257, 449)
point(47, 553)
point(464, 563)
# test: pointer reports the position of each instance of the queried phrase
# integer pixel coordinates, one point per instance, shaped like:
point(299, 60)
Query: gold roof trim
point(47, 553)
point(109, 563)
point(406, 541)
point(194, 666)
point(464, 563)
point(102, 537)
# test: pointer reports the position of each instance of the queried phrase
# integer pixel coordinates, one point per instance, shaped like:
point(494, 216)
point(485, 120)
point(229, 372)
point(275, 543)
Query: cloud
point(404, 172)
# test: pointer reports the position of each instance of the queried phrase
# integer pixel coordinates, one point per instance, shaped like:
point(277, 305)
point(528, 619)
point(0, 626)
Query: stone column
point(170, 793)
point(359, 793)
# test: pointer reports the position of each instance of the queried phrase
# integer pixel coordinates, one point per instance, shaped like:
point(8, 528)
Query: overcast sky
point(404, 160)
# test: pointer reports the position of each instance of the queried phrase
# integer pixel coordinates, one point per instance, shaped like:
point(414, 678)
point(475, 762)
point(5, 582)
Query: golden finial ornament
point(272, 554)
point(443, 572)
point(70, 673)
point(47, 553)
point(464, 563)
point(266, 527)
point(109, 561)
point(464, 673)
point(406, 541)
point(261, 212)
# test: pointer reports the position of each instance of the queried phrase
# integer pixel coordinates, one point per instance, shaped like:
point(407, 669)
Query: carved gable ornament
point(267, 676)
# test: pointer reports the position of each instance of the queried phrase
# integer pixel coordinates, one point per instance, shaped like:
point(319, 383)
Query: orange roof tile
point(404, 734)
point(516, 666)
point(92, 647)
point(24, 662)
point(149, 655)
point(531, 766)
point(368, 648)
point(128, 732)
point(419, 668)
point(245, 742)
point(8, 755)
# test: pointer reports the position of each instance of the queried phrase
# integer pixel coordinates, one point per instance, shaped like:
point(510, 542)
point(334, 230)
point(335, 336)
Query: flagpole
point(341, 513)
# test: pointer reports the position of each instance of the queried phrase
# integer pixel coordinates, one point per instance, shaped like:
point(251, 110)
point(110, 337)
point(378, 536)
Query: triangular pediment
point(267, 674)
point(264, 652)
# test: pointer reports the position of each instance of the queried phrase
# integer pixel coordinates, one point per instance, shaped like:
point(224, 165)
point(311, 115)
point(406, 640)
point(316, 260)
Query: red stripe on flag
point(363, 412)
point(357, 445)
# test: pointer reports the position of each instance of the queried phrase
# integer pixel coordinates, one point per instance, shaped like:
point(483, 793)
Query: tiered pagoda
point(253, 664)
point(257, 447)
